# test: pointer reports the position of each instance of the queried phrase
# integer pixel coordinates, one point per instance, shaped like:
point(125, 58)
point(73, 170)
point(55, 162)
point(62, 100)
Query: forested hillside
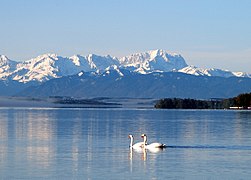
point(242, 101)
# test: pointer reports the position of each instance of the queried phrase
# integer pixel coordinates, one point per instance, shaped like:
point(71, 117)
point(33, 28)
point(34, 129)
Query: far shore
point(69, 102)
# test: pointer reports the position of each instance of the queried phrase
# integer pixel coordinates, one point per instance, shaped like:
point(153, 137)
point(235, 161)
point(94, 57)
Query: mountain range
point(154, 74)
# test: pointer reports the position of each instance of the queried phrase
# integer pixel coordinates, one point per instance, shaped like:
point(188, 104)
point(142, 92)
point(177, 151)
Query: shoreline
point(68, 102)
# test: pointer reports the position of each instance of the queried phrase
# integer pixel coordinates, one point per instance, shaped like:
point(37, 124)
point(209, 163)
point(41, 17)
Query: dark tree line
point(176, 103)
point(242, 100)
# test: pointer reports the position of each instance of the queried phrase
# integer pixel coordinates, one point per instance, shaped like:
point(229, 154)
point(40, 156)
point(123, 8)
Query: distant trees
point(177, 103)
point(242, 100)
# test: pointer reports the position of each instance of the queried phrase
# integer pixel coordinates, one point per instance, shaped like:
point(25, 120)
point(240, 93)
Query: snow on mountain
point(193, 70)
point(6, 66)
point(241, 74)
point(113, 68)
point(44, 67)
point(49, 66)
point(101, 63)
point(93, 62)
point(153, 61)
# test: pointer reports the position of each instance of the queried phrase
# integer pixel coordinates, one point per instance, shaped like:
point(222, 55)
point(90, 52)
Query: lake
point(47, 143)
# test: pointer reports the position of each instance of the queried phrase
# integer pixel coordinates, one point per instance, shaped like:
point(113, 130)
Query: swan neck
point(145, 140)
point(131, 143)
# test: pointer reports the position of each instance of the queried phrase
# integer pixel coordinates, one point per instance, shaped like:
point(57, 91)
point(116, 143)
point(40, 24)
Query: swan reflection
point(143, 152)
point(155, 150)
point(137, 151)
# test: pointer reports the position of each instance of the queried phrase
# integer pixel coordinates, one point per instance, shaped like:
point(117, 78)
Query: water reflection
point(143, 152)
point(92, 143)
point(242, 125)
point(3, 128)
point(40, 134)
point(3, 137)
point(26, 138)
point(138, 151)
point(76, 130)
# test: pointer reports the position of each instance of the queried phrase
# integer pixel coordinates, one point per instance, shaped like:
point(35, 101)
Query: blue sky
point(208, 34)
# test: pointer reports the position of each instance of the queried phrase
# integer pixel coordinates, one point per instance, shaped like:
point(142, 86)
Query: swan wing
point(138, 145)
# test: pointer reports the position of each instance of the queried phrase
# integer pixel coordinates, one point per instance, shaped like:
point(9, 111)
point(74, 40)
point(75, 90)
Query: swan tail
point(163, 146)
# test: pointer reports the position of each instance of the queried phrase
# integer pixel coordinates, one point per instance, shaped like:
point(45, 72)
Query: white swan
point(152, 145)
point(138, 145)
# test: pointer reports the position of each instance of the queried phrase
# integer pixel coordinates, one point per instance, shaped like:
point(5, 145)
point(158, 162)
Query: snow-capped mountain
point(50, 66)
point(152, 61)
point(94, 62)
point(211, 72)
point(153, 74)
point(6, 67)
point(42, 68)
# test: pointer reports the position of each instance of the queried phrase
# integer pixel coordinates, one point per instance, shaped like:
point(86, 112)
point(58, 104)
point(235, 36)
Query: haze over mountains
point(152, 74)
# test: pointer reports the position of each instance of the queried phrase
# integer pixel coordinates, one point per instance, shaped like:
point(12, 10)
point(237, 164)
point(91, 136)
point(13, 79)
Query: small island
point(242, 101)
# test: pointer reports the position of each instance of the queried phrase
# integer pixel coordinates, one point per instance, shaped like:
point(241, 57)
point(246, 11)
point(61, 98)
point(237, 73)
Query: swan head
point(130, 136)
point(145, 138)
point(143, 135)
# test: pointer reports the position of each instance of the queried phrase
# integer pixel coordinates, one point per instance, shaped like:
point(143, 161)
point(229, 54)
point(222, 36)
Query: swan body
point(155, 145)
point(152, 145)
point(138, 145)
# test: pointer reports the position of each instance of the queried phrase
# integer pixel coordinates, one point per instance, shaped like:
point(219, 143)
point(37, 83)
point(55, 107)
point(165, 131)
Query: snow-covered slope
point(42, 68)
point(152, 61)
point(49, 66)
point(211, 72)
point(94, 62)
point(6, 67)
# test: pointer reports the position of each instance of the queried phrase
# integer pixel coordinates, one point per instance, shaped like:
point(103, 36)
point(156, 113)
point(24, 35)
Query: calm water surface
point(93, 144)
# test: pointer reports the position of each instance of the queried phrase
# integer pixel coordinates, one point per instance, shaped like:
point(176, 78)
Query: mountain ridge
point(134, 85)
point(49, 66)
